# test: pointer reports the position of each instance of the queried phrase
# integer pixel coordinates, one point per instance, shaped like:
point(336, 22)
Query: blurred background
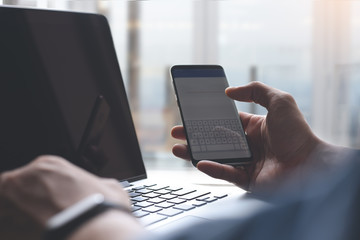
point(309, 48)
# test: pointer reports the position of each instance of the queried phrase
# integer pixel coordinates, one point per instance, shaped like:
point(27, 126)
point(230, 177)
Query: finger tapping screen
point(213, 126)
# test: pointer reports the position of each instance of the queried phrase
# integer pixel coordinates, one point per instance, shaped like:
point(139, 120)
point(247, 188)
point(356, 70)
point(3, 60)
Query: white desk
point(178, 172)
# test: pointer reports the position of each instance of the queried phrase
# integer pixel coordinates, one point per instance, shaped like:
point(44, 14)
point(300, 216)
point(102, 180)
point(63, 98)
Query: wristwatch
point(64, 223)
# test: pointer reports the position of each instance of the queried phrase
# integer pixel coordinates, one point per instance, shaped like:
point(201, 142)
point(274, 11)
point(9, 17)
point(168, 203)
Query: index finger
point(178, 132)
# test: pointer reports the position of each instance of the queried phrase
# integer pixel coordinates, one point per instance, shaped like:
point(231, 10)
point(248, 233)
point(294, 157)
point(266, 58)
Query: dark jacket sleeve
point(327, 208)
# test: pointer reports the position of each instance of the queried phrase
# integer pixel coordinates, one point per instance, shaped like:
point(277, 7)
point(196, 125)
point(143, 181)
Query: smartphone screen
point(212, 123)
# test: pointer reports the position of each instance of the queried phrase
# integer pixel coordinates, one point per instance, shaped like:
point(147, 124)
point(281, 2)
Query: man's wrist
point(69, 220)
point(111, 225)
point(327, 156)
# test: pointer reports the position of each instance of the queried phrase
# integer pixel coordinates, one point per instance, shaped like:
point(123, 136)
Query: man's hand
point(50, 184)
point(280, 141)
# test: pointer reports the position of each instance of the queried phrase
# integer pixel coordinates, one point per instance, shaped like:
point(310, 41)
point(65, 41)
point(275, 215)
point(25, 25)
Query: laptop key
point(165, 205)
point(140, 214)
point(151, 219)
point(193, 195)
point(176, 201)
point(163, 191)
point(202, 198)
point(137, 188)
point(170, 212)
point(150, 184)
point(144, 191)
point(168, 196)
point(134, 208)
point(220, 195)
point(143, 204)
point(156, 200)
point(184, 206)
point(152, 209)
point(133, 194)
point(151, 195)
point(183, 192)
point(173, 188)
point(210, 199)
point(157, 187)
point(197, 203)
point(139, 199)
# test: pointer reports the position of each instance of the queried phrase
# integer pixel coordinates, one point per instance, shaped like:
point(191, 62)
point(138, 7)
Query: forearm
point(111, 225)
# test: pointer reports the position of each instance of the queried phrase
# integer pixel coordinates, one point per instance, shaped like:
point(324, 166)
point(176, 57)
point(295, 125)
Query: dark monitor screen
point(53, 67)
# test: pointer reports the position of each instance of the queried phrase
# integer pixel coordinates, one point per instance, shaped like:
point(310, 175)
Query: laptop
point(62, 93)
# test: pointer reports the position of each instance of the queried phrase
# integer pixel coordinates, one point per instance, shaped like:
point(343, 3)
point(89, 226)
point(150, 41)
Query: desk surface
point(176, 171)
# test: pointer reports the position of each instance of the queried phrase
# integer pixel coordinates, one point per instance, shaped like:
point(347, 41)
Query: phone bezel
point(228, 161)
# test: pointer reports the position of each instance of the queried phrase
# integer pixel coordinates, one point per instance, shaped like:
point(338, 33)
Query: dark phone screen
point(213, 127)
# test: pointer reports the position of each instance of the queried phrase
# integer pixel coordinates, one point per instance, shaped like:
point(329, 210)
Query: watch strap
point(66, 222)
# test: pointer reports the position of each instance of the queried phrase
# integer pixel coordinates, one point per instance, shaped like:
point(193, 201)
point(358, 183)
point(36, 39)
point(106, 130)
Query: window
point(308, 48)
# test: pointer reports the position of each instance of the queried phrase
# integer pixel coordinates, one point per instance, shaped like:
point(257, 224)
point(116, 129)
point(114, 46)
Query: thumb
point(253, 92)
point(225, 172)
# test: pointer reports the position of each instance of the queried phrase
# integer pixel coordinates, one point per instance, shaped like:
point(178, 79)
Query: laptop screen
point(61, 92)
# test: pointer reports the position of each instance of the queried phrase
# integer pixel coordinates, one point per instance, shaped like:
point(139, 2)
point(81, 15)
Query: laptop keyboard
point(153, 203)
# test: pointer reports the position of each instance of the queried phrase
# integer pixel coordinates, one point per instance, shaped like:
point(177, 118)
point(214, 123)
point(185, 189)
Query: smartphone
point(212, 124)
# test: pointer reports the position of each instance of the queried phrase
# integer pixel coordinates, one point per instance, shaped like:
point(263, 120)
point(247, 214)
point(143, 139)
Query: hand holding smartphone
point(212, 124)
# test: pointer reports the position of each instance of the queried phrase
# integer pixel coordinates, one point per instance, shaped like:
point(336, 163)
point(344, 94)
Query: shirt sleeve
point(326, 208)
